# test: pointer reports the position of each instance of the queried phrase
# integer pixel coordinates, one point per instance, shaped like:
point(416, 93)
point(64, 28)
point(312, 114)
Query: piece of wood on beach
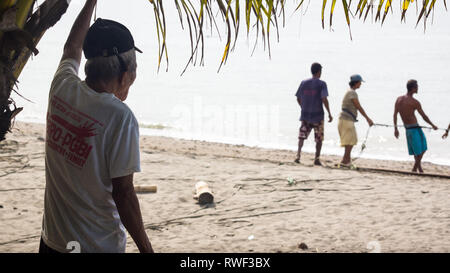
point(203, 193)
point(145, 189)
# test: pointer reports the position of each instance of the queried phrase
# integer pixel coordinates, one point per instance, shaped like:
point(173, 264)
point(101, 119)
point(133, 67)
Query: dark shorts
point(306, 128)
point(44, 249)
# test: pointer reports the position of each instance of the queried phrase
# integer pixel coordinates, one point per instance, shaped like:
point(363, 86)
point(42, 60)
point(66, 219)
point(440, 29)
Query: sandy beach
point(255, 209)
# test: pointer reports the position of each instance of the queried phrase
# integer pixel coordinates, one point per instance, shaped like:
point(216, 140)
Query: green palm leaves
point(259, 14)
point(263, 16)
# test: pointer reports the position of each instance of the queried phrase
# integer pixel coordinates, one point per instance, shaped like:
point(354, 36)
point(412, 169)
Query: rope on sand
point(324, 189)
point(381, 170)
point(259, 214)
point(403, 172)
point(179, 219)
point(20, 240)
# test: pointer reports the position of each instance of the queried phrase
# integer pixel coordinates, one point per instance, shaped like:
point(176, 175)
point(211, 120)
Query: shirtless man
point(407, 105)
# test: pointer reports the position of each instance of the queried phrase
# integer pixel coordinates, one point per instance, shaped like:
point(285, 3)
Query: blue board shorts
point(417, 143)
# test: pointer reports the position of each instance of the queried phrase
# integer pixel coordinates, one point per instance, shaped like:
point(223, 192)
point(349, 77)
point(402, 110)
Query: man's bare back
point(407, 106)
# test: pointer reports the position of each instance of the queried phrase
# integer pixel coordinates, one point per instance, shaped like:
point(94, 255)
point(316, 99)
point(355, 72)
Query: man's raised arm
point(74, 44)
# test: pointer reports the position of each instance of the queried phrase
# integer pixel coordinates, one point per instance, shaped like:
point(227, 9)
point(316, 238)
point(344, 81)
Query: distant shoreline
point(286, 154)
point(157, 129)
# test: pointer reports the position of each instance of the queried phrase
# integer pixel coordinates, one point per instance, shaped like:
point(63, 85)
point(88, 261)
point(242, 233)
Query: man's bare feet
point(417, 168)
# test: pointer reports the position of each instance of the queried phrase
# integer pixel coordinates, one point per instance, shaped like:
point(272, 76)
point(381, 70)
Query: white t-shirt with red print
point(91, 138)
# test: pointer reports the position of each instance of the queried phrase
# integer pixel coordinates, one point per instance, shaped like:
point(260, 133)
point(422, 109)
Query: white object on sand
point(203, 193)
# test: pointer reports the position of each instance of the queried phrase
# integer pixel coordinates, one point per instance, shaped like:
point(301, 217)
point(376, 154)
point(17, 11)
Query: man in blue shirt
point(311, 96)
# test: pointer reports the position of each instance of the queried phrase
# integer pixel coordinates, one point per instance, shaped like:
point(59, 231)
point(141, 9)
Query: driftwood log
point(145, 189)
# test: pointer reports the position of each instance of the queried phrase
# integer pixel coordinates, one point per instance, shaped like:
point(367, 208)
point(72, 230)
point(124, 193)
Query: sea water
point(251, 99)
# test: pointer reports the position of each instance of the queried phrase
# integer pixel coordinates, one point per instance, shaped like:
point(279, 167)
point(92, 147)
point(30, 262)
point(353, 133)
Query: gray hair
point(108, 68)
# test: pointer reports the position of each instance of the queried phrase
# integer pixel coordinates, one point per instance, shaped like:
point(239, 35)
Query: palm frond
point(261, 16)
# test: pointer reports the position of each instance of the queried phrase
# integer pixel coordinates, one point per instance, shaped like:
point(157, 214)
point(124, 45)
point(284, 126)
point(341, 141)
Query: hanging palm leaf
point(264, 13)
point(405, 7)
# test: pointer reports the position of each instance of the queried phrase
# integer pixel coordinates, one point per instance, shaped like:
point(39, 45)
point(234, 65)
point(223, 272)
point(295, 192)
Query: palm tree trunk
point(20, 32)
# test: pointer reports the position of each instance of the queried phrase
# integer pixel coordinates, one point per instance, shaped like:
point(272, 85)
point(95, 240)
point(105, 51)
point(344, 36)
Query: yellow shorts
point(347, 132)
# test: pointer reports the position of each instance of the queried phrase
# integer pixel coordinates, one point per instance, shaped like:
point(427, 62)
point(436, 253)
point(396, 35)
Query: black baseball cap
point(107, 38)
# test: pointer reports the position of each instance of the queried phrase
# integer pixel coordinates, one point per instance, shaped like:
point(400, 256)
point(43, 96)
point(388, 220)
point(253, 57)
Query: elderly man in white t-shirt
point(92, 144)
